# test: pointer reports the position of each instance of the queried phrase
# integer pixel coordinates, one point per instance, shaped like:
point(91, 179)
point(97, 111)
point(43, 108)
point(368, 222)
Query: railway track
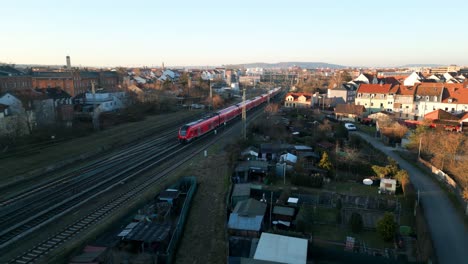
point(26, 217)
point(146, 134)
point(93, 189)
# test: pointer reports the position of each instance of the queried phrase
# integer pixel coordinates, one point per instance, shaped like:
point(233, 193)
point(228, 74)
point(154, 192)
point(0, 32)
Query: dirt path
point(204, 239)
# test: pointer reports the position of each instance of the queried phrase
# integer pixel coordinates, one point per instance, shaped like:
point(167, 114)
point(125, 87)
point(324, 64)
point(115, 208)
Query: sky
point(213, 33)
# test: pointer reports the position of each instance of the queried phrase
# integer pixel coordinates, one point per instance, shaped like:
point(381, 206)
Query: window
point(381, 105)
point(427, 98)
point(435, 98)
point(446, 108)
point(453, 109)
point(372, 104)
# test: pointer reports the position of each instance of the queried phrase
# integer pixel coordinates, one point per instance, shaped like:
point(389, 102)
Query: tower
point(68, 63)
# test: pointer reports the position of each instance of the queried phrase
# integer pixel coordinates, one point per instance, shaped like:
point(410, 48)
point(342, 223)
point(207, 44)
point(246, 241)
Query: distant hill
point(420, 65)
point(306, 65)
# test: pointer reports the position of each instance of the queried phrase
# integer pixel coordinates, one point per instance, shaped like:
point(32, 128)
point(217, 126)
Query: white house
point(414, 78)
point(366, 78)
point(106, 102)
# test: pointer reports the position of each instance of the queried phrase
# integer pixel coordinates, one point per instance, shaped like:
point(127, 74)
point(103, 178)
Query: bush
point(355, 222)
point(386, 227)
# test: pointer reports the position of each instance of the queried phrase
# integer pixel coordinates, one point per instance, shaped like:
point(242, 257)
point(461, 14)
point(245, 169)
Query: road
point(449, 234)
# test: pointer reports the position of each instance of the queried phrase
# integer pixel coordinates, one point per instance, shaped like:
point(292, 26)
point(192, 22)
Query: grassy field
point(352, 188)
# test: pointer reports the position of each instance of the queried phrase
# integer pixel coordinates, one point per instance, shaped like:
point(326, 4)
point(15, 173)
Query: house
point(374, 97)
point(349, 111)
point(105, 101)
point(250, 170)
point(403, 105)
point(281, 249)
point(284, 214)
point(272, 151)
point(250, 153)
point(428, 97)
point(247, 218)
point(387, 186)
point(343, 94)
point(366, 78)
point(298, 100)
point(415, 77)
point(455, 98)
point(441, 118)
point(383, 115)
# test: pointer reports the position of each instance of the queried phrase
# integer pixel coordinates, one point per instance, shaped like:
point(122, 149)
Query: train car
point(202, 126)
point(228, 114)
point(198, 128)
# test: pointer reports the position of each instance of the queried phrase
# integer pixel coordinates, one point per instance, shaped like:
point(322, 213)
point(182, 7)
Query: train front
point(183, 134)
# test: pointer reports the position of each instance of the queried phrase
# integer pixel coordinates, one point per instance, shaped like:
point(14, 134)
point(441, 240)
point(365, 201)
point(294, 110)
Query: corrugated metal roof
point(282, 249)
point(282, 210)
point(241, 189)
point(245, 223)
point(149, 232)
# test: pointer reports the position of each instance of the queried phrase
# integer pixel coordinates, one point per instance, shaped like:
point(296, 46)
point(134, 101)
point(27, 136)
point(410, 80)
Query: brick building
point(13, 79)
point(75, 82)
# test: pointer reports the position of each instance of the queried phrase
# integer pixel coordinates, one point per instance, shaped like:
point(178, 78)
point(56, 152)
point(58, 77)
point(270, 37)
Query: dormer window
point(427, 98)
point(450, 100)
point(372, 96)
point(435, 98)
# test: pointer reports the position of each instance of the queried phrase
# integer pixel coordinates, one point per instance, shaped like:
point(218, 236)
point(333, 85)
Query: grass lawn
point(351, 188)
point(370, 130)
point(339, 234)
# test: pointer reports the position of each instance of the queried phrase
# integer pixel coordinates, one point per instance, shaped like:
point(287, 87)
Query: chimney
point(68, 63)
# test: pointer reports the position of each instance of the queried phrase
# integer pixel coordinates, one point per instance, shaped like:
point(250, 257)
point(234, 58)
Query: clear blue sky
point(149, 32)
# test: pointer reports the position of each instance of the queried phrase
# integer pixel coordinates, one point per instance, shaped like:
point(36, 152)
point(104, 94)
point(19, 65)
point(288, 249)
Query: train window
point(183, 131)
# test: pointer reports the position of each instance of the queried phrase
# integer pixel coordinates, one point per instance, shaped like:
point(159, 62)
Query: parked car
point(350, 127)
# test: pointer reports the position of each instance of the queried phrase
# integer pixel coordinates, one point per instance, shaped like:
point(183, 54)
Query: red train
point(191, 131)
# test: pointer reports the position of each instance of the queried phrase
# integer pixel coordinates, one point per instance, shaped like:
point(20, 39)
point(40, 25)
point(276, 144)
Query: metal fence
point(168, 257)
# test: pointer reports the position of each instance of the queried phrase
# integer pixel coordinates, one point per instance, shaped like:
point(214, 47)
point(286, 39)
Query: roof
point(54, 93)
point(10, 71)
point(281, 249)
point(274, 147)
point(308, 96)
point(241, 189)
point(429, 89)
point(250, 207)
point(350, 109)
point(405, 90)
point(254, 165)
point(388, 80)
point(149, 232)
point(441, 115)
point(240, 222)
point(169, 194)
point(456, 92)
point(302, 148)
point(374, 88)
point(283, 210)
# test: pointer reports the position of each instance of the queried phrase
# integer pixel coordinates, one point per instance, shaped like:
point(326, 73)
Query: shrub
point(386, 227)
